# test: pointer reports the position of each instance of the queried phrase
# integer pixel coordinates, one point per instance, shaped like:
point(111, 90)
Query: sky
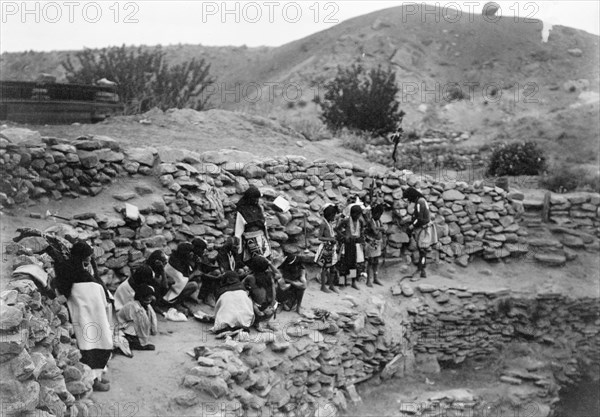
point(70, 24)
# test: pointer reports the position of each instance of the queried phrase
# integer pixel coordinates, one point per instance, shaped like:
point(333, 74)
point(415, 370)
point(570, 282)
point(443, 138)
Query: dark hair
point(143, 291)
point(291, 264)
point(250, 194)
point(81, 250)
point(143, 275)
point(183, 249)
point(199, 245)
point(258, 264)
point(377, 211)
point(329, 211)
point(157, 255)
point(412, 195)
point(355, 209)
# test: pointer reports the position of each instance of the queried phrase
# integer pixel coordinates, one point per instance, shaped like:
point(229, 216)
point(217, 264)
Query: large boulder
point(452, 195)
point(21, 136)
point(144, 156)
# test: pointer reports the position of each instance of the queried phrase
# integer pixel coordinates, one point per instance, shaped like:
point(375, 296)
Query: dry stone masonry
point(200, 192)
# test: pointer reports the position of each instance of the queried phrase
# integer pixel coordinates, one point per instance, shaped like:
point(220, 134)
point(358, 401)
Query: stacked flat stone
point(580, 211)
point(39, 361)
point(306, 369)
point(456, 323)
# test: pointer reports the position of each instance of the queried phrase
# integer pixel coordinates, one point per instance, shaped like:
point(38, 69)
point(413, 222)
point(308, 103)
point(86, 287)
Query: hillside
point(545, 91)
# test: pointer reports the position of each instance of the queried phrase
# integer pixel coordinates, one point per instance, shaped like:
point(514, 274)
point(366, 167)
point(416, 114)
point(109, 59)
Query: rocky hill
point(525, 88)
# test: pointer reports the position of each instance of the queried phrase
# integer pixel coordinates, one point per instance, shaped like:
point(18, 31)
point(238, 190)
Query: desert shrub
point(564, 178)
point(144, 80)
point(354, 141)
point(518, 158)
point(311, 129)
point(361, 100)
point(455, 93)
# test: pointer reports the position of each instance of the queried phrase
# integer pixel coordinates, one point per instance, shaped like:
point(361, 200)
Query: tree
point(143, 78)
point(361, 101)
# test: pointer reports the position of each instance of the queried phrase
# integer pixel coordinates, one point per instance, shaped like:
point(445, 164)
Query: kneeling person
point(138, 319)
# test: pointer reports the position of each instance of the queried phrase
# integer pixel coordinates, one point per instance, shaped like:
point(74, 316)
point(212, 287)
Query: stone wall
point(39, 361)
point(429, 156)
point(452, 324)
point(200, 194)
point(578, 210)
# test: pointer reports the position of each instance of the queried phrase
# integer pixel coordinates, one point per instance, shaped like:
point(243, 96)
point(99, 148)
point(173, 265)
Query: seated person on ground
point(157, 261)
point(234, 309)
point(228, 258)
point(178, 270)
point(292, 284)
point(261, 285)
point(138, 320)
point(206, 274)
point(126, 290)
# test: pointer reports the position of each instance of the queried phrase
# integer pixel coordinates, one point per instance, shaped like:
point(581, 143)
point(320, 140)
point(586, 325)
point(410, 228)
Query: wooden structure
point(57, 103)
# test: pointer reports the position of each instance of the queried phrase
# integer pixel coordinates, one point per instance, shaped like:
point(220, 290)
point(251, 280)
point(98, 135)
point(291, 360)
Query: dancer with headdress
point(353, 258)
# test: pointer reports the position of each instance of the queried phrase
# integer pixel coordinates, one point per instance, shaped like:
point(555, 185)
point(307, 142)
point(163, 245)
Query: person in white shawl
point(234, 309)
point(88, 302)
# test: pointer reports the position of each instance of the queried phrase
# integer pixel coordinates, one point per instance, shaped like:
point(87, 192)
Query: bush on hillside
point(354, 141)
point(564, 178)
point(518, 158)
point(144, 80)
point(361, 101)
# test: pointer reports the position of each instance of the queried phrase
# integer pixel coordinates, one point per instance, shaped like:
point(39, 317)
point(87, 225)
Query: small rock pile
point(303, 370)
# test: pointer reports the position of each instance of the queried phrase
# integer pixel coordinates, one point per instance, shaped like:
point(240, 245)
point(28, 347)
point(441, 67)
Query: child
point(261, 286)
point(327, 253)
point(138, 319)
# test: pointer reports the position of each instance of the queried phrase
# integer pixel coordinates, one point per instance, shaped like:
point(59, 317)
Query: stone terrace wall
point(579, 211)
point(200, 196)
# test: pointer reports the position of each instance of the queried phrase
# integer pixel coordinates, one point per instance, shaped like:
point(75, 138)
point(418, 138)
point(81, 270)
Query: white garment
point(123, 295)
point(180, 283)
point(89, 314)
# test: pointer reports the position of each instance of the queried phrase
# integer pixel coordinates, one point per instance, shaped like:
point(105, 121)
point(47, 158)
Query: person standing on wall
point(421, 227)
point(250, 226)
